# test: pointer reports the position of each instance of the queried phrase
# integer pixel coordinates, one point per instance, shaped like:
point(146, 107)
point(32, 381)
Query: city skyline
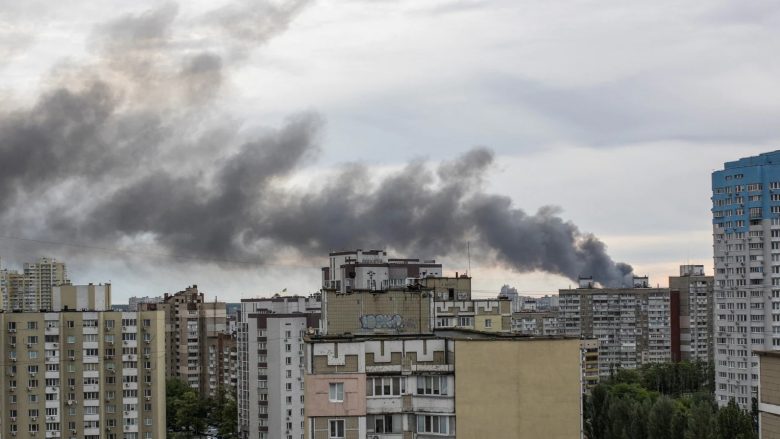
point(633, 169)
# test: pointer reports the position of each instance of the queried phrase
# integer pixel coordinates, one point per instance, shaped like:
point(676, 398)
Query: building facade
point(270, 387)
point(695, 293)
point(192, 330)
point(440, 386)
point(373, 270)
point(769, 394)
point(535, 323)
point(633, 325)
point(83, 374)
point(31, 290)
point(134, 301)
point(746, 240)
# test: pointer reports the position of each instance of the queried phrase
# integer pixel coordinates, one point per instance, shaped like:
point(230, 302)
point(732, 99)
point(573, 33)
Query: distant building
point(81, 297)
point(449, 384)
point(535, 323)
point(271, 365)
point(695, 319)
point(134, 301)
point(633, 325)
point(193, 331)
point(31, 290)
point(373, 270)
point(511, 294)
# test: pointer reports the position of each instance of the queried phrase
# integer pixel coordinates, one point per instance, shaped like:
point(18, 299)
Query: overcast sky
point(229, 135)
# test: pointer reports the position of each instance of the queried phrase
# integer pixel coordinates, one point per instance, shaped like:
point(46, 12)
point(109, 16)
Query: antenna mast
point(468, 252)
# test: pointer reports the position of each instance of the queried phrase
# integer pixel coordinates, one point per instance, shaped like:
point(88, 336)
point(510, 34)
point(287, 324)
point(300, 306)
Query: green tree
point(660, 421)
point(734, 423)
point(186, 413)
point(701, 421)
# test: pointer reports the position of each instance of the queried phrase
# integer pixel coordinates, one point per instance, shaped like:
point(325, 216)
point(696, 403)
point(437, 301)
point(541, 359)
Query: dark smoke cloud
point(128, 150)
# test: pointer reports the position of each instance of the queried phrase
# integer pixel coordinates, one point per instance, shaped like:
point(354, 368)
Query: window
point(433, 424)
point(336, 429)
point(384, 424)
point(336, 392)
point(431, 385)
point(384, 386)
point(488, 323)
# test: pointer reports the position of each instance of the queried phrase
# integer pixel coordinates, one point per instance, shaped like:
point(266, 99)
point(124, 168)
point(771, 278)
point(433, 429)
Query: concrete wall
point(534, 389)
point(386, 312)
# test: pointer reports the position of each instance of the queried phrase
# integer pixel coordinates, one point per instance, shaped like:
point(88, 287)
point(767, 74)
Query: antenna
point(468, 252)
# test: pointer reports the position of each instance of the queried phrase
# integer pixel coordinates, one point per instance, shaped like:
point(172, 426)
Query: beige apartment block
point(31, 290)
point(486, 315)
point(514, 383)
point(454, 383)
point(769, 394)
point(83, 374)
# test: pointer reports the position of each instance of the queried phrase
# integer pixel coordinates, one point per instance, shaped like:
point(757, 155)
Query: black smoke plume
point(129, 150)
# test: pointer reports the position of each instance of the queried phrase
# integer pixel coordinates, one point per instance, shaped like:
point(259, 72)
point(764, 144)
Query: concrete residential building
point(535, 323)
point(696, 296)
point(271, 365)
point(425, 386)
point(372, 270)
point(486, 315)
point(746, 239)
point(31, 290)
point(633, 325)
point(134, 301)
point(83, 374)
point(193, 328)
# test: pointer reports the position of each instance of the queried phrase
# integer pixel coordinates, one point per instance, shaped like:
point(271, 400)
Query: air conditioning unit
point(12, 330)
point(34, 418)
point(13, 345)
point(13, 359)
point(71, 358)
point(72, 387)
point(29, 345)
point(13, 418)
point(13, 433)
point(32, 374)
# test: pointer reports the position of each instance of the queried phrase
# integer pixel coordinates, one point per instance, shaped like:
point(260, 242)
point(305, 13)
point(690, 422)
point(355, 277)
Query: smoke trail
point(127, 149)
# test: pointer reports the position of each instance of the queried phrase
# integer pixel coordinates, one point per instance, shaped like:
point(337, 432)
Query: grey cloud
point(130, 132)
point(253, 22)
point(640, 108)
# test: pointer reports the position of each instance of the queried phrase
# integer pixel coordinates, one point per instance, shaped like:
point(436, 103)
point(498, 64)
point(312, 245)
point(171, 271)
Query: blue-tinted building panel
point(743, 191)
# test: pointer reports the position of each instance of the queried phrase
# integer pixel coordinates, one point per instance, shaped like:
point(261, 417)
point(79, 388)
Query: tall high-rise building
point(271, 365)
point(633, 325)
point(31, 290)
point(193, 329)
point(746, 241)
point(694, 291)
point(83, 373)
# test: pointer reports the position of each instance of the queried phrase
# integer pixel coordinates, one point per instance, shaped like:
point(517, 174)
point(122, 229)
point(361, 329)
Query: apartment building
point(134, 301)
point(75, 373)
point(373, 270)
point(769, 394)
point(450, 384)
point(746, 239)
point(486, 315)
point(590, 364)
point(695, 293)
point(31, 290)
point(393, 311)
point(535, 323)
point(193, 327)
point(633, 325)
point(270, 387)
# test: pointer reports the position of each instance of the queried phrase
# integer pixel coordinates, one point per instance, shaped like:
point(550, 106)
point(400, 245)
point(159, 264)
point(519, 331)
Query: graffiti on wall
point(381, 321)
